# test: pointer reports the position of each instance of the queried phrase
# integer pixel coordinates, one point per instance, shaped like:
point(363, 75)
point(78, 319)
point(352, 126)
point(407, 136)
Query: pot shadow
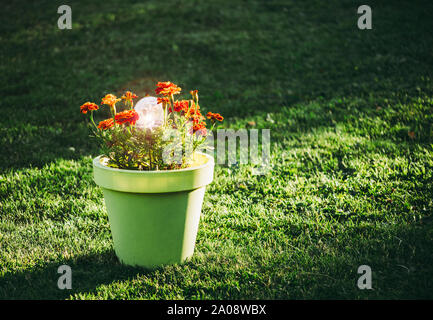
point(88, 272)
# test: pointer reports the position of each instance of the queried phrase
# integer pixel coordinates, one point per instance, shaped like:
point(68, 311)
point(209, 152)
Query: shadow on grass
point(88, 272)
point(241, 64)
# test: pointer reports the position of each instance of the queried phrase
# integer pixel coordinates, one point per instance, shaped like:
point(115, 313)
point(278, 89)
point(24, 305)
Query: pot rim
point(161, 181)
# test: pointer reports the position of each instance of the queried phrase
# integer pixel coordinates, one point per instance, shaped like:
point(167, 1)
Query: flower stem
point(91, 119)
point(113, 112)
point(165, 107)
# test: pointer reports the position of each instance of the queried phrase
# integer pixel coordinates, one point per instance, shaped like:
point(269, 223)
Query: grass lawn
point(351, 119)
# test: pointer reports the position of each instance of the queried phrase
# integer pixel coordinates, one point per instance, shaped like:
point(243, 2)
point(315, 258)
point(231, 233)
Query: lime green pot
point(154, 215)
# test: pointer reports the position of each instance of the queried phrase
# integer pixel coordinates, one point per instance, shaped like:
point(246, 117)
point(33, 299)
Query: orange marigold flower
point(167, 88)
point(128, 96)
point(110, 99)
point(106, 124)
point(130, 116)
point(196, 117)
point(201, 131)
point(194, 109)
point(163, 100)
point(214, 116)
point(182, 105)
point(88, 106)
point(199, 128)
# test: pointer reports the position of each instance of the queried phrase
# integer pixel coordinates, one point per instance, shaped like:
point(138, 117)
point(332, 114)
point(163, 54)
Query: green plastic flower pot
point(154, 215)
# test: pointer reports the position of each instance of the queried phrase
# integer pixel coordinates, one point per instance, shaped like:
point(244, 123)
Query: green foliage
point(129, 147)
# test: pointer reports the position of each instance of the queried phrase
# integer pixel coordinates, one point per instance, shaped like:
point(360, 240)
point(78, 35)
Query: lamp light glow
point(150, 113)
